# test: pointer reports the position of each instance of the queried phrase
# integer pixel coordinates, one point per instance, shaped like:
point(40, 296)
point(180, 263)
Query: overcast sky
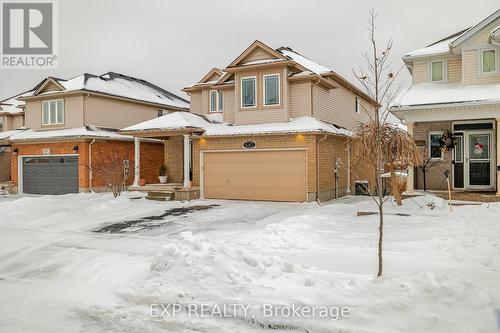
point(174, 43)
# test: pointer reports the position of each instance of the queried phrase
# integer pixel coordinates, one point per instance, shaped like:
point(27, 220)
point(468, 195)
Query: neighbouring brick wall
point(262, 142)
point(174, 159)
point(435, 178)
point(5, 164)
point(102, 151)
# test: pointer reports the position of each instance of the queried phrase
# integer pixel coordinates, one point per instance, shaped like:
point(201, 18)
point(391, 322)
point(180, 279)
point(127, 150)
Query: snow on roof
point(495, 34)
point(123, 86)
point(297, 125)
point(85, 131)
point(436, 93)
point(174, 120)
point(261, 61)
point(12, 105)
point(185, 120)
point(440, 47)
point(5, 135)
point(303, 61)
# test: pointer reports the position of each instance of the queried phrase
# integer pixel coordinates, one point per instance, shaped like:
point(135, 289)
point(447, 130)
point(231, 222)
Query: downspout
point(90, 164)
point(317, 167)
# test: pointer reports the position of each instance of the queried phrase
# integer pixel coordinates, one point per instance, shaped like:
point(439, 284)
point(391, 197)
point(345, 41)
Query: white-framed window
point(160, 112)
point(434, 146)
point(53, 112)
point(248, 92)
point(459, 149)
point(357, 106)
point(271, 89)
point(437, 71)
point(216, 100)
point(489, 61)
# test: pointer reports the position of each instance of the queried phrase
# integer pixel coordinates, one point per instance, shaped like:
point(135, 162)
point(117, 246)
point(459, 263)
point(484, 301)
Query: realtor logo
point(28, 35)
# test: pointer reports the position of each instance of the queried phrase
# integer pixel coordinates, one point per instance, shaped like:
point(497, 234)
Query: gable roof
point(12, 105)
point(256, 45)
point(470, 32)
point(114, 84)
point(214, 72)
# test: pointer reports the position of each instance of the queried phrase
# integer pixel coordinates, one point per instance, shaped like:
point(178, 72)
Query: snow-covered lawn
point(442, 269)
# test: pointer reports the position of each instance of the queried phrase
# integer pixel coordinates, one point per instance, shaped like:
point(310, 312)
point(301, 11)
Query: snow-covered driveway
point(58, 273)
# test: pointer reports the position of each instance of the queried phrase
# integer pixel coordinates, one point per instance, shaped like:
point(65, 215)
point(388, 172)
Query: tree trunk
point(425, 182)
point(394, 186)
point(380, 226)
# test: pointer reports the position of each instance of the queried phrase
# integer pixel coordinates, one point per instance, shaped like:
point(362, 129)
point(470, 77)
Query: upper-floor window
point(437, 70)
point(272, 89)
point(248, 92)
point(216, 100)
point(357, 106)
point(488, 61)
point(1, 124)
point(53, 112)
point(160, 112)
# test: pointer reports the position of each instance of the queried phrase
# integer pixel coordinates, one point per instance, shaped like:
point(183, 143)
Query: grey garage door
point(50, 175)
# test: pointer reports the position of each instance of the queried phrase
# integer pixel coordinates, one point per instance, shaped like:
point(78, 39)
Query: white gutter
point(442, 105)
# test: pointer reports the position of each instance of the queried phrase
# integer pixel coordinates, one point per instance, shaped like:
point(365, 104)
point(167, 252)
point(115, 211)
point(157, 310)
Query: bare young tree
point(115, 171)
point(378, 144)
point(427, 164)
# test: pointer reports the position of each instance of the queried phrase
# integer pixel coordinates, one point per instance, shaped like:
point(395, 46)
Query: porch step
point(160, 196)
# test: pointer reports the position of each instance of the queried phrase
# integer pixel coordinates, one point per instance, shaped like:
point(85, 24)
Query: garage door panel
point(255, 175)
point(50, 175)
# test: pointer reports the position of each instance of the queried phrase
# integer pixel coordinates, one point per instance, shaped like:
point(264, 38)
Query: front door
point(479, 157)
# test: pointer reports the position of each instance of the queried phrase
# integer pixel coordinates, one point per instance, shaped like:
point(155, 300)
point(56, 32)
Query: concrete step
point(158, 198)
point(160, 195)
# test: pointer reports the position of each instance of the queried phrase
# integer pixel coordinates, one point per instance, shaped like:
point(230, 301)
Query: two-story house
point(272, 125)
point(452, 108)
point(71, 131)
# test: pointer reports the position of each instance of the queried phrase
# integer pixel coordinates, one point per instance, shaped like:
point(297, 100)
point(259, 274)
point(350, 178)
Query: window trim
point(160, 113)
point(444, 70)
point(56, 123)
point(254, 92)
point(429, 145)
point(357, 107)
point(496, 71)
point(218, 106)
point(264, 89)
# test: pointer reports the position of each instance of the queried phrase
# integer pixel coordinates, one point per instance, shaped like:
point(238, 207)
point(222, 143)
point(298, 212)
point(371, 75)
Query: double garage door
point(277, 175)
point(50, 174)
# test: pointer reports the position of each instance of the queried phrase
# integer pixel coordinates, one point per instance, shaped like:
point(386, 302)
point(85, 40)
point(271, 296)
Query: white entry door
point(479, 168)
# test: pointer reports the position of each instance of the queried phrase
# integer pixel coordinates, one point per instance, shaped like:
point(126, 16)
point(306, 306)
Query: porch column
point(187, 159)
point(137, 161)
point(409, 181)
point(497, 157)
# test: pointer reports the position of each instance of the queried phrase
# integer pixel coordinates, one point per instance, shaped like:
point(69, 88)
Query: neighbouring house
point(70, 138)
point(11, 121)
point(272, 125)
point(456, 92)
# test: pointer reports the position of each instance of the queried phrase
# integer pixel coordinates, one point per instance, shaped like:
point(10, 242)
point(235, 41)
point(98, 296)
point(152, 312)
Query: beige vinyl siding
point(481, 37)
point(257, 54)
point(228, 106)
point(11, 122)
point(300, 99)
point(195, 106)
point(260, 113)
point(337, 106)
point(205, 101)
point(471, 68)
point(114, 113)
point(454, 70)
point(420, 72)
point(73, 113)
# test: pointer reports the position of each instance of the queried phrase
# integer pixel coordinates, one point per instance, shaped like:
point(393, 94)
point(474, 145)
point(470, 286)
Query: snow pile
point(326, 256)
point(171, 121)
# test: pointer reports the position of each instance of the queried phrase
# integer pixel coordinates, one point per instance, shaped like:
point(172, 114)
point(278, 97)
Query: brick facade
point(434, 178)
point(151, 158)
point(174, 159)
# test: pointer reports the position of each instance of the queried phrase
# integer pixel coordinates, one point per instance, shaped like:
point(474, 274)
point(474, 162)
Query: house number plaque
point(249, 144)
